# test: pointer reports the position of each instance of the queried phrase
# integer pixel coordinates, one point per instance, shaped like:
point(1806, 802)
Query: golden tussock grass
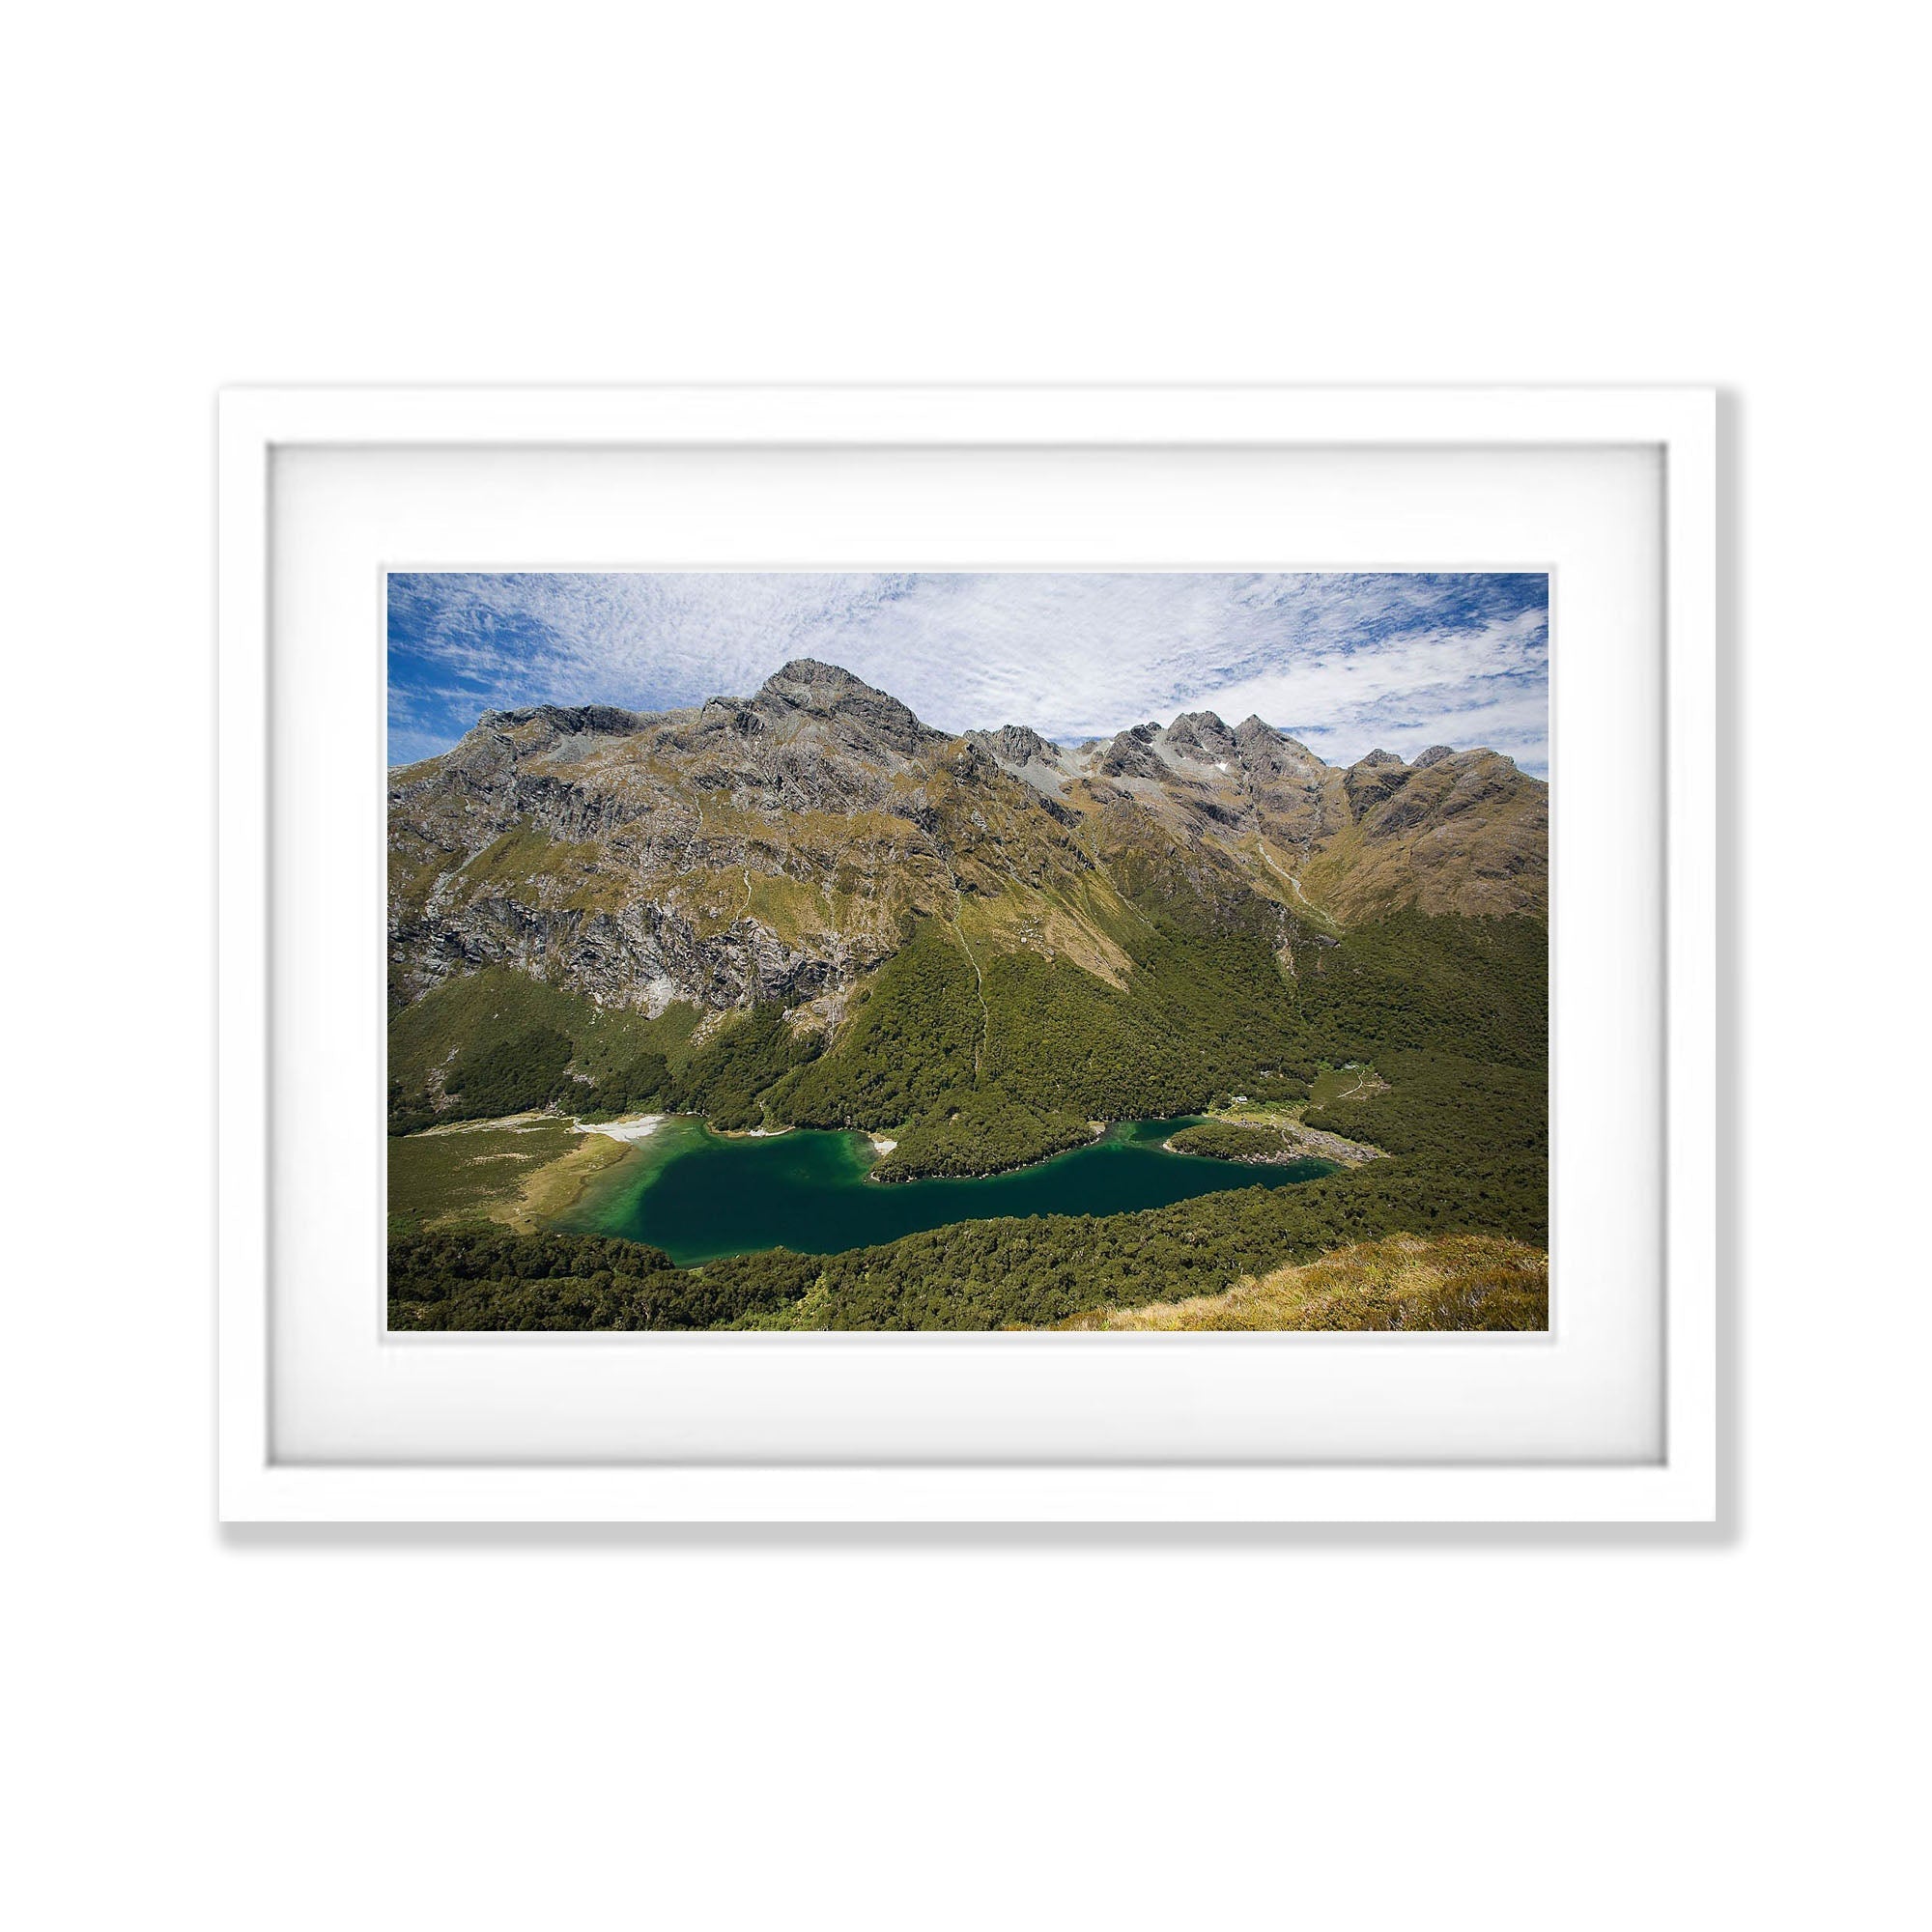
point(1402, 1282)
point(557, 1186)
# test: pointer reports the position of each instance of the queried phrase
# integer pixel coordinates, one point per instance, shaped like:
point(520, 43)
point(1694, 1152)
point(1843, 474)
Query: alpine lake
point(698, 1194)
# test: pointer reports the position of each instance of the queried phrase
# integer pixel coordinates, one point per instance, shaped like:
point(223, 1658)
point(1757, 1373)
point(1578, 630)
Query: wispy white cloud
point(1344, 661)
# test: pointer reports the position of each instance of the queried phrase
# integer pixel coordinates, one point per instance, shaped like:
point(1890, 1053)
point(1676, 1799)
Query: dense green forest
point(1233, 1140)
point(969, 1077)
point(725, 1078)
point(1468, 1146)
point(908, 1046)
point(529, 1069)
point(473, 1014)
point(1474, 987)
point(973, 1070)
point(974, 1074)
point(485, 1279)
point(980, 1131)
point(1473, 1158)
point(505, 1043)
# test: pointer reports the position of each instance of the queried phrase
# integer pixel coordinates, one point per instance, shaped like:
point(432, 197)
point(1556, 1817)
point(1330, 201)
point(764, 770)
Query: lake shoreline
point(632, 1129)
point(700, 1192)
point(558, 1188)
point(700, 1195)
point(1098, 1132)
point(882, 1143)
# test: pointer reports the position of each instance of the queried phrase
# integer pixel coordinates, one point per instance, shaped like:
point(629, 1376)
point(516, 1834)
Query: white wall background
point(589, 1729)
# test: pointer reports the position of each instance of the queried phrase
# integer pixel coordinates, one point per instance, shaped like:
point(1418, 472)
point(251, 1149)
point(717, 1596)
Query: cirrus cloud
point(1345, 661)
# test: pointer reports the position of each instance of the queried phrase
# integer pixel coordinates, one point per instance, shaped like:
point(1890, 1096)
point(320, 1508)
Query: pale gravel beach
point(642, 1128)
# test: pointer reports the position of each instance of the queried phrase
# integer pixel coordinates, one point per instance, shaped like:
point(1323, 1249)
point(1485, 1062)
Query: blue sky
point(1345, 662)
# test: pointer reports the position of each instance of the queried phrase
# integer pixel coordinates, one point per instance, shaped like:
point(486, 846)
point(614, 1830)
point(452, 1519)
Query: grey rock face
point(1131, 755)
point(640, 957)
point(565, 720)
point(1373, 780)
point(1201, 735)
point(1016, 747)
point(1270, 756)
point(862, 717)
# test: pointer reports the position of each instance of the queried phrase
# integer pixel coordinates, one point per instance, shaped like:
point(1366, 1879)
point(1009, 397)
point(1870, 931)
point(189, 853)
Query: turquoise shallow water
point(698, 1195)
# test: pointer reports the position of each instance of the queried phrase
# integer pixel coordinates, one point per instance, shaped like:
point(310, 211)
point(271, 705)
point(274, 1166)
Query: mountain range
point(809, 909)
point(777, 849)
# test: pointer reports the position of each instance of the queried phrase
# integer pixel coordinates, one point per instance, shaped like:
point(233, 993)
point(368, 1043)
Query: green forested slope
point(910, 1044)
point(1468, 1156)
point(1467, 1137)
point(1475, 988)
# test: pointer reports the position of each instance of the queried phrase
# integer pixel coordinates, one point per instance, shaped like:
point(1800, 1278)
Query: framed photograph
point(968, 955)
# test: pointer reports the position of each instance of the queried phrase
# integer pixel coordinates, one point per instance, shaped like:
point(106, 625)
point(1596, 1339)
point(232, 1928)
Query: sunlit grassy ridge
point(1403, 1282)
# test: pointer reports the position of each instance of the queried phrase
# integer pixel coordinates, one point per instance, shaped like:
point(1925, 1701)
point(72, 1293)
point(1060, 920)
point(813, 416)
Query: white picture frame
point(1680, 1483)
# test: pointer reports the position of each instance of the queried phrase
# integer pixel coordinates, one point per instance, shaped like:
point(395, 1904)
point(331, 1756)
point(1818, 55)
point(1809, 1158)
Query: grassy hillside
point(461, 1173)
point(1460, 1281)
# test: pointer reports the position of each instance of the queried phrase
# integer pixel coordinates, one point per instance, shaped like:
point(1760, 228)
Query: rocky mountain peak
point(1131, 755)
point(662, 857)
point(1202, 734)
point(829, 692)
point(1268, 754)
point(1015, 745)
point(1373, 781)
point(812, 685)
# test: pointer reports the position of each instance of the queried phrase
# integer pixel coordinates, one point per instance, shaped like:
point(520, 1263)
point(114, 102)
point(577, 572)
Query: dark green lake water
point(698, 1195)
